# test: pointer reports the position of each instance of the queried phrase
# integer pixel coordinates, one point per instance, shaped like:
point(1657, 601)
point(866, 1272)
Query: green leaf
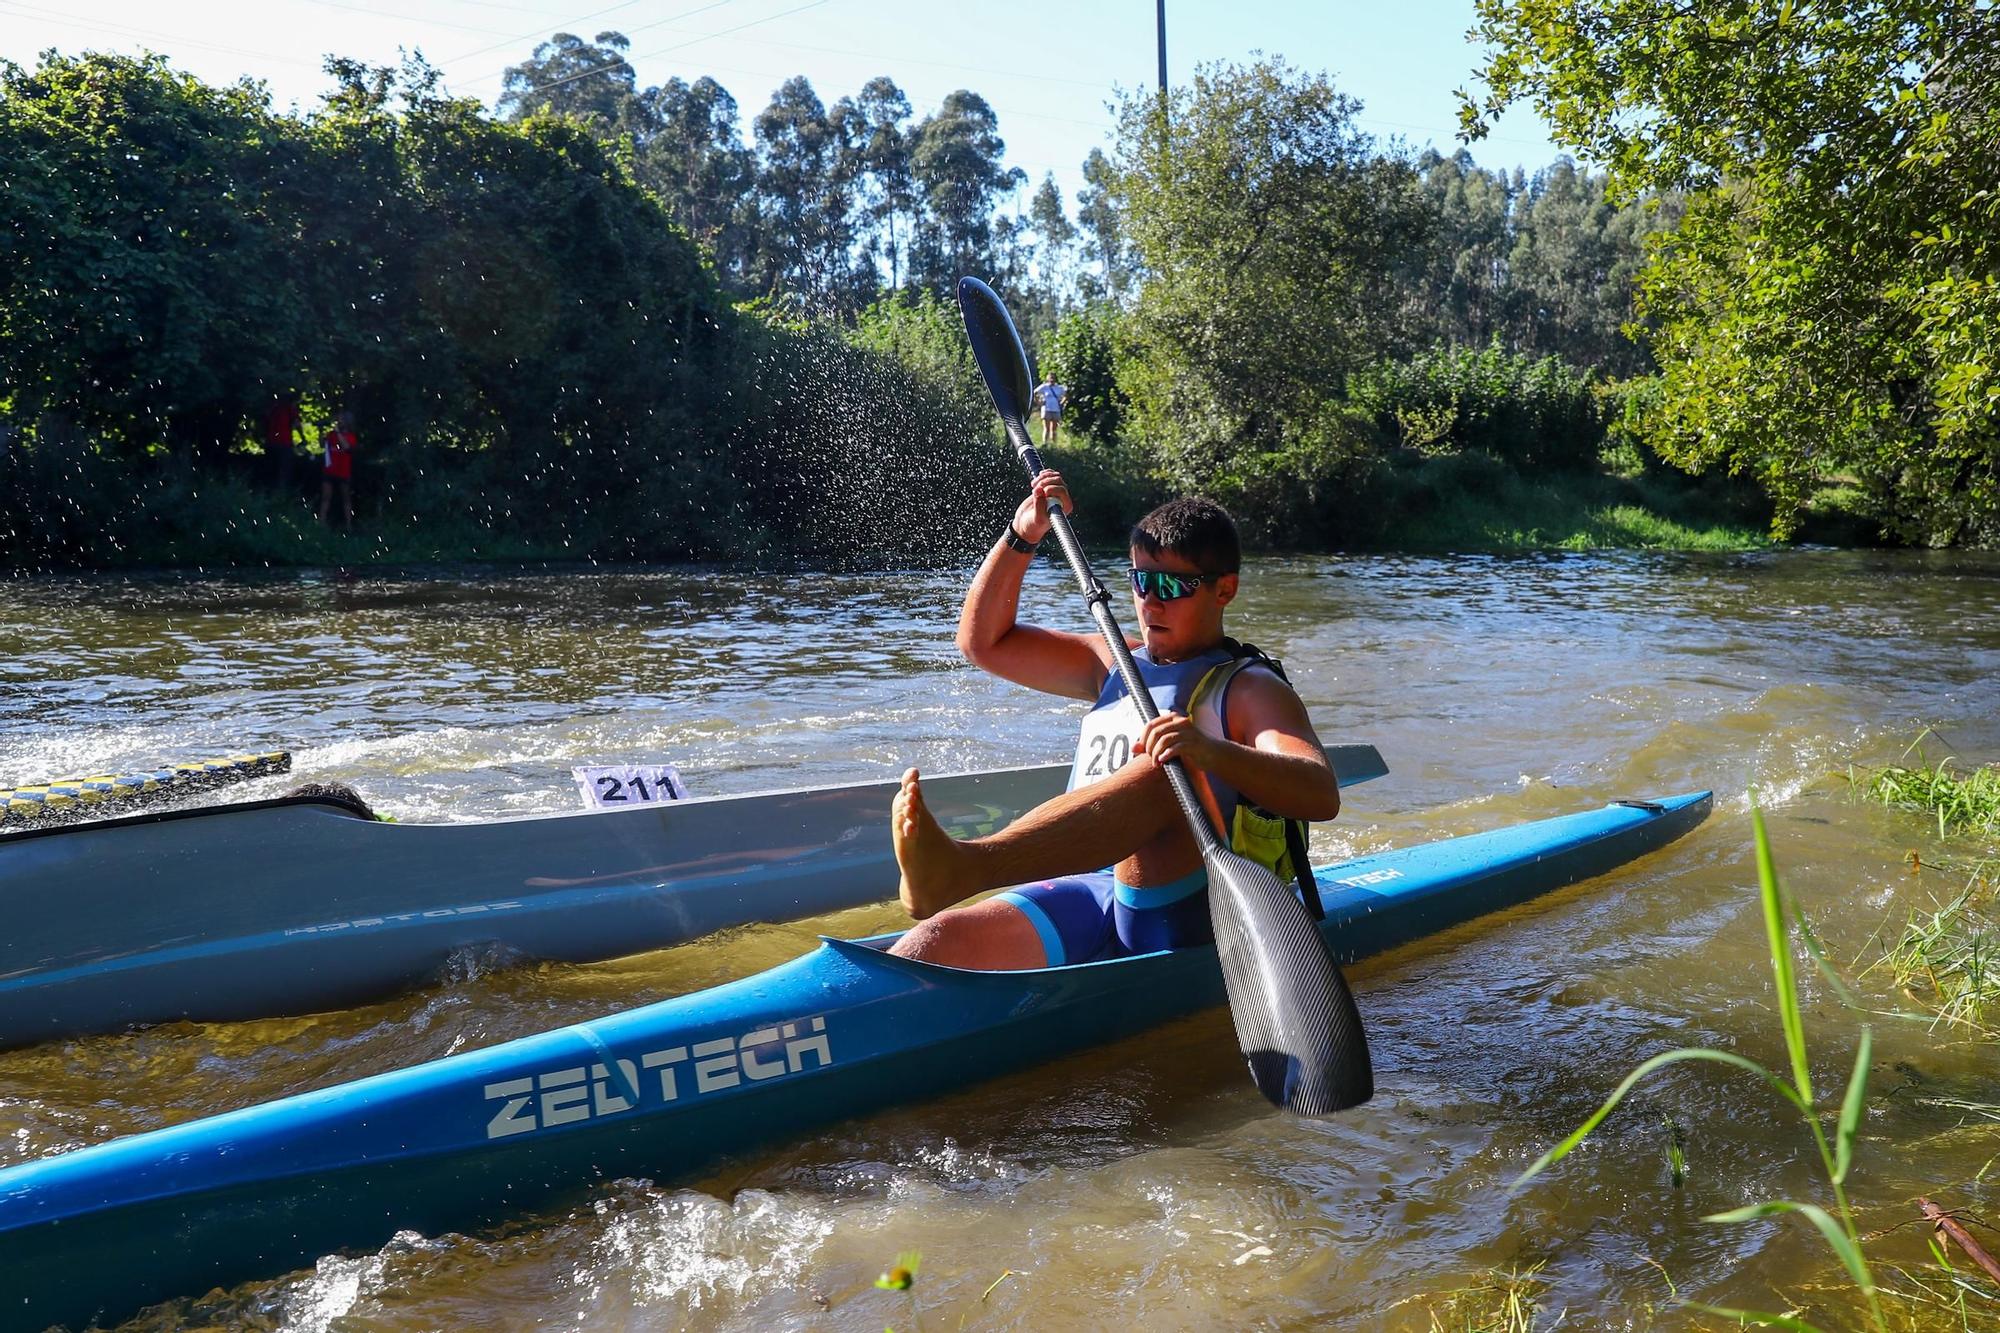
point(1851, 1108)
point(1842, 1244)
point(1779, 939)
point(1563, 1149)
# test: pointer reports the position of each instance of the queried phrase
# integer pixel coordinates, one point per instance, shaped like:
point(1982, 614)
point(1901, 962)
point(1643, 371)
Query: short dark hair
point(1196, 529)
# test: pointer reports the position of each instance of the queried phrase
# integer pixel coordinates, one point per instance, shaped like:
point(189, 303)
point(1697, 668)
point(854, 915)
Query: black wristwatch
point(1017, 542)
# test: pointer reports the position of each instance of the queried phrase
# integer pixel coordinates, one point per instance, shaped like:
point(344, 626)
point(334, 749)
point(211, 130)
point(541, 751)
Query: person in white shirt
point(1049, 395)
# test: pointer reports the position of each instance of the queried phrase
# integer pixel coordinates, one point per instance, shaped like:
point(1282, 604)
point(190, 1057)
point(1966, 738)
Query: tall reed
point(1835, 1226)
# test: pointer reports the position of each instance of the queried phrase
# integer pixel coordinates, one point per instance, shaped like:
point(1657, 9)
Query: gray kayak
point(298, 906)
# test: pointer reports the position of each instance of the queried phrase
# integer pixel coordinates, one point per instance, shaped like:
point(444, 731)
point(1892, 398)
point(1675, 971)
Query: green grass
point(1948, 959)
point(1499, 1302)
point(1574, 514)
point(1836, 1225)
point(1950, 950)
point(1966, 802)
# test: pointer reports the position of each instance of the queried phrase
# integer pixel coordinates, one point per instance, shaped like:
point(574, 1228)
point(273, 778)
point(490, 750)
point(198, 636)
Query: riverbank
point(1471, 503)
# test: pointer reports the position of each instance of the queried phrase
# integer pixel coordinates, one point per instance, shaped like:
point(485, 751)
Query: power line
point(665, 50)
point(560, 25)
point(536, 36)
point(388, 14)
point(101, 25)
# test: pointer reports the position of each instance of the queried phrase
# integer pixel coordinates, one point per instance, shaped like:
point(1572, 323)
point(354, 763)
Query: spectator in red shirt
point(283, 431)
point(339, 471)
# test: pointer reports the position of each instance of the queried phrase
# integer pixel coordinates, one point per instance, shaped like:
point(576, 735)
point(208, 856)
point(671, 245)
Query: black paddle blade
point(1296, 1023)
point(997, 348)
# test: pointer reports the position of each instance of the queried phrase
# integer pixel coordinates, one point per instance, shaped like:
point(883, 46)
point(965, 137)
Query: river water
point(1142, 1183)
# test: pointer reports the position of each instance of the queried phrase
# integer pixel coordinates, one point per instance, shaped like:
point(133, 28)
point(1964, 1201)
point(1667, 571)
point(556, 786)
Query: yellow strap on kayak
point(66, 798)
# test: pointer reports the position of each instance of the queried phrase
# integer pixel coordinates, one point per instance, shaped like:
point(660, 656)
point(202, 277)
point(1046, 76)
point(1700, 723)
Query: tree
point(1572, 267)
point(806, 183)
point(1462, 291)
point(145, 227)
point(1056, 233)
point(571, 77)
point(1097, 217)
point(1830, 305)
point(880, 114)
point(955, 164)
point(696, 163)
point(1268, 232)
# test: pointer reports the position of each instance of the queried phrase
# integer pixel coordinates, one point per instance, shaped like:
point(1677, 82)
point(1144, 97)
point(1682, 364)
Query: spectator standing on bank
point(339, 471)
point(1049, 395)
point(283, 433)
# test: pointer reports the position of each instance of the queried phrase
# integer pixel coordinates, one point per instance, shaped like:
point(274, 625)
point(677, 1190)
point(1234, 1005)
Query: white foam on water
point(689, 1251)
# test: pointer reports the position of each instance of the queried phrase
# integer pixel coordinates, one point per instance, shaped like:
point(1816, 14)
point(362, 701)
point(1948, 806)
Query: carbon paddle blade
point(997, 348)
point(1296, 1023)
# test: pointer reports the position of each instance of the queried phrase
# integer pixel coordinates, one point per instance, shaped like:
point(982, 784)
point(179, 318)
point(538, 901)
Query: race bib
point(1105, 743)
point(616, 786)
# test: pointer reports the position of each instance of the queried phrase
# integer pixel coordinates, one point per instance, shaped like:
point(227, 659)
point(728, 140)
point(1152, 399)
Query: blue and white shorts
point(1089, 918)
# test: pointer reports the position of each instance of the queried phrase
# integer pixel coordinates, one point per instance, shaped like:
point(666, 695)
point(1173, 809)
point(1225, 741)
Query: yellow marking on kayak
point(63, 797)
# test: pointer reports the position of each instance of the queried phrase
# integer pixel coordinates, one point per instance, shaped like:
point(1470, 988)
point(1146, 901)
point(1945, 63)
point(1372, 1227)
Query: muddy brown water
point(1142, 1183)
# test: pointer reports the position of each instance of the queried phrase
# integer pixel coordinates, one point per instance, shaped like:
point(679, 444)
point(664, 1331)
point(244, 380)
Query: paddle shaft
point(1114, 639)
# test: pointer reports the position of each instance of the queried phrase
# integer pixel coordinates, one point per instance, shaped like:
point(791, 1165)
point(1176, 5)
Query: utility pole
point(1161, 7)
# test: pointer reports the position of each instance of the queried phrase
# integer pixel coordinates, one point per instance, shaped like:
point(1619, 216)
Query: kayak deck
point(662, 1090)
point(298, 906)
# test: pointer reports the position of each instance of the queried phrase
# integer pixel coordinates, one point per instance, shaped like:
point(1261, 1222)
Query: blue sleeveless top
point(1111, 727)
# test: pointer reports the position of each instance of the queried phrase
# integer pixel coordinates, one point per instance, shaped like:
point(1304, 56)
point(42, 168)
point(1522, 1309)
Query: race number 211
point(613, 787)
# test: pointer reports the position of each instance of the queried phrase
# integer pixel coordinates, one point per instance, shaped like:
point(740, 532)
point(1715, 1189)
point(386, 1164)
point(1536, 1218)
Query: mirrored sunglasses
point(1166, 586)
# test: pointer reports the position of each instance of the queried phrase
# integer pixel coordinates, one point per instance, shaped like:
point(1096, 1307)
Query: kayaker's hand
point(1031, 519)
point(1175, 736)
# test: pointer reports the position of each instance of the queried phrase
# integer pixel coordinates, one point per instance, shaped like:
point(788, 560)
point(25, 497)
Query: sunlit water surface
point(1143, 1183)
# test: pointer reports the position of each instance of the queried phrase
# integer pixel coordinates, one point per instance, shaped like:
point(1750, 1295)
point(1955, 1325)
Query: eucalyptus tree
point(880, 115)
point(809, 167)
point(956, 165)
point(1829, 306)
point(1560, 267)
point(567, 75)
point(1056, 237)
point(696, 162)
point(1097, 219)
point(1462, 292)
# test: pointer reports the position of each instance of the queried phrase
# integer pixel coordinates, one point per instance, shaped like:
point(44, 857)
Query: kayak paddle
point(1296, 1023)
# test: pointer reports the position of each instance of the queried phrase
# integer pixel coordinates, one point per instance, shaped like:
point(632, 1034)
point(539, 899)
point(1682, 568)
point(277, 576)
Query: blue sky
point(1047, 66)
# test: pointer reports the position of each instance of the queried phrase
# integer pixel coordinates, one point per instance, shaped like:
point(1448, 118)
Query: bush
point(1082, 354)
point(1536, 413)
point(925, 335)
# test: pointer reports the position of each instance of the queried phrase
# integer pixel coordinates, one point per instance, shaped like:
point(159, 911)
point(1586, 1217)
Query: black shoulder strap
point(1295, 829)
point(1239, 649)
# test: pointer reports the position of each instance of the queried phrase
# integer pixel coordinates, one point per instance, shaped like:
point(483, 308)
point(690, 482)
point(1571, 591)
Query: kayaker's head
point(1185, 557)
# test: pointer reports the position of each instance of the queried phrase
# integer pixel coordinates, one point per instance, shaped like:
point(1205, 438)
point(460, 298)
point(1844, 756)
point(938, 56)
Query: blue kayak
point(472, 1140)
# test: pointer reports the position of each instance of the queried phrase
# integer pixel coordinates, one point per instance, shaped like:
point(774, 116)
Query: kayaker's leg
point(992, 936)
point(1072, 834)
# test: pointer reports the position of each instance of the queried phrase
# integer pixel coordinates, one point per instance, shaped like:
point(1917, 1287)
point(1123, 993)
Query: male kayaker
point(1255, 742)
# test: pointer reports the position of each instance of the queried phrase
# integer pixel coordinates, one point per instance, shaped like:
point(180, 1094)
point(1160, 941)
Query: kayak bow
point(465, 1142)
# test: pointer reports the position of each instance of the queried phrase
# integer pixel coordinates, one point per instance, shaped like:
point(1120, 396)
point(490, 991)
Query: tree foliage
point(1268, 235)
point(1829, 307)
point(527, 339)
point(1538, 413)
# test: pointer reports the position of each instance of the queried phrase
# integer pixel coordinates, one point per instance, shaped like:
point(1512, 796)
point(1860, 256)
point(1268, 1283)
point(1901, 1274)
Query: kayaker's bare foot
point(928, 856)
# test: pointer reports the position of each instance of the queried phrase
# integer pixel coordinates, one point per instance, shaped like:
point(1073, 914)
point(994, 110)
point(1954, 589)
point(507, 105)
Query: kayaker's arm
point(1072, 665)
point(1272, 756)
